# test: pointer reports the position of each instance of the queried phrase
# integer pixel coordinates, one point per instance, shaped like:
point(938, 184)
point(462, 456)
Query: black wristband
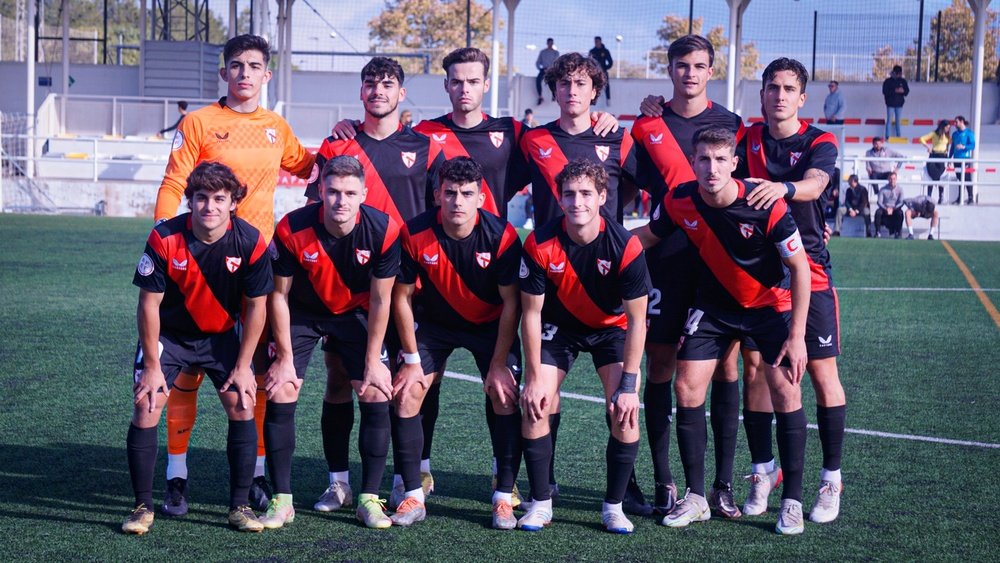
point(791, 190)
point(626, 385)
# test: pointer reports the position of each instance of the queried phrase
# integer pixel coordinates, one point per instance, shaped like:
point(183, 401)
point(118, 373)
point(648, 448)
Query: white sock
point(177, 466)
point(417, 493)
point(762, 467)
point(831, 476)
point(607, 507)
point(342, 476)
point(506, 497)
point(397, 480)
point(425, 466)
point(258, 470)
point(910, 230)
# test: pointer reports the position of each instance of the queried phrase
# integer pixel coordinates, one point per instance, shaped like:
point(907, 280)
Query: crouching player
point(336, 264)
point(584, 285)
point(467, 262)
point(743, 292)
point(193, 277)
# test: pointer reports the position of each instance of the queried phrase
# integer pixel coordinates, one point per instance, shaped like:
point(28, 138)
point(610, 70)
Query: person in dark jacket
point(855, 203)
point(602, 55)
point(894, 89)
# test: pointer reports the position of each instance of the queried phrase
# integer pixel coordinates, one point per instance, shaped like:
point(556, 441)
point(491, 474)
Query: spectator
point(834, 106)
point(406, 118)
point(546, 57)
point(888, 214)
point(963, 141)
point(880, 169)
point(937, 143)
point(529, 119)
point(855, 203)
point(182, 108)
point(920, 206)
point(894, 89)
point(602, 55)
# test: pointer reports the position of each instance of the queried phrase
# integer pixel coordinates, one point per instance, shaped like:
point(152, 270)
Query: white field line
point(959, 289)
point(892, 435)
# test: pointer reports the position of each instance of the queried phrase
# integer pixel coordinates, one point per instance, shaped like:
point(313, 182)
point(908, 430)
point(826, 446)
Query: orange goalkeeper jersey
point(256, 146)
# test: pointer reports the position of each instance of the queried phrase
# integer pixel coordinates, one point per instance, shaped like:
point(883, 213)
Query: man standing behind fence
point(894, 89)
point(833, 105)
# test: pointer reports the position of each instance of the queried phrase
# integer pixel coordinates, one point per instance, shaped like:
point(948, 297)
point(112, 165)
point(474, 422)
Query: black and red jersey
point(494, 144)
point(584, 286)
point(459, 278)
point(332, 276)
point(203, 285)
point(548, 149)
point(740, 248)
point(786, 160)
point(667, 143)
point(400, 170)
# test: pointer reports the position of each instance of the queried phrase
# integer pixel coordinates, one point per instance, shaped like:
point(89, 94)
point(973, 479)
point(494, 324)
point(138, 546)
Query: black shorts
point(823, 325)
point(345, 335)
point(214, 354)
point(436, 343)
point(707, 334)
point(560, 348)
point(671, 271)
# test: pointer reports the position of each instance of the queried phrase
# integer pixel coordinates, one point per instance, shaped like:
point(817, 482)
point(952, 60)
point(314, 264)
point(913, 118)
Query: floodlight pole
point(30, 117)
point(495, 58)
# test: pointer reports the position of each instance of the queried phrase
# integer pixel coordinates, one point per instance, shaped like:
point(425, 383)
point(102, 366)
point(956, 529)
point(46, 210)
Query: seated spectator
point(920, 206)
point(888, 214)
point(880, 169)
point(855, 203)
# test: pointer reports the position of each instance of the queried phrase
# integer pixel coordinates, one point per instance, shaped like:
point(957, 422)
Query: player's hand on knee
point(345, 129)
point(279, 374)
point(408, 378)
point(151, 381)
point(376, 375)
point(795, 350)
point(501, 386)
point(534, 402)
point(652, 106)
point(765, 194)
point(243, 381)
point(624, 410)
point(604, 123)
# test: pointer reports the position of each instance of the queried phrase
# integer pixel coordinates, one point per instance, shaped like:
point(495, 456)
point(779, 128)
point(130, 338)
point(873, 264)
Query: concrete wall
point(97, 80)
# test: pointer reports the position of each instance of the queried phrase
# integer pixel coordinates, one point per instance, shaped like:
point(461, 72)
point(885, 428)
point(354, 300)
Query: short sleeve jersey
point(740, 263)
point(332, 276)
point(256, 146)
point(203, 285)
point(787, 160)
point(459, 278)
point(400, 170)
point(494, 144)
point(548, 149)
point(584, 286)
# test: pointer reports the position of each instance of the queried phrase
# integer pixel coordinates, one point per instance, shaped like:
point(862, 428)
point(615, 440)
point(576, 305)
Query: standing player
point(336, 264)
point(584, 286)
point(255, 143)
point(666, 137)
point(196, 271)
point(743, 291)
point(400, 167)
point(794, 161)
point(467, 262)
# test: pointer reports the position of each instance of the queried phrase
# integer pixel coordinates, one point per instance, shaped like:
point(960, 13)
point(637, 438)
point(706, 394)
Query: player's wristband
point(791, 190)
point(413, 358)
point(626, 385)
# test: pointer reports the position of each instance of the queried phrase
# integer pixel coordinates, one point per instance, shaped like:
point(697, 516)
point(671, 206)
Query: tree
point(675, 27)
point(432, 27)
point(955, 55)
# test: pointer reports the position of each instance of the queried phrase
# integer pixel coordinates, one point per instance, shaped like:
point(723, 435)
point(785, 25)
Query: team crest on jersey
point(233, 263)
point(794, 157)
point(544, 153)
point(408, 158)
point(306, 257)
point(557, 268)
point(655, 139)
point(483, 259)
point(746, 229)
point(691, 225)
point(755, 147)
point(362, 256)
point(602, 151)
point(145, 266)
point(431, 259)
point(179, 264)
point(496, 137)
point(439, 138)
point(271, 134)
point(603, 266)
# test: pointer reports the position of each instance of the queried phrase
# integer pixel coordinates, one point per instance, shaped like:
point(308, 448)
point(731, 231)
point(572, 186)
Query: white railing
point(117, 116)
point(913, 170)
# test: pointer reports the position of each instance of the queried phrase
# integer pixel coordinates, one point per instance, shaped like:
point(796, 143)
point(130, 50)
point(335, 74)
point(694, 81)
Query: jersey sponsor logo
point(145, 266)
point(655, 139)
point(431, 259)
point(544, 153)
point(178, 264)
point(755, 147)
point(483, 259)
point(222, 137)
point(691, 225)
point(523, 272)
point(363, 256)
point(496, 137)
point(440, 138)
point(794, 157)
point(746, 229)
point(408, 158)
point(271, 134)
point(233, 263)
point(791, 245)
point(602, 151)
point(603, 266)
point(557, 268)
point(178, 141)
point(306, 257)
point(825, 342)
